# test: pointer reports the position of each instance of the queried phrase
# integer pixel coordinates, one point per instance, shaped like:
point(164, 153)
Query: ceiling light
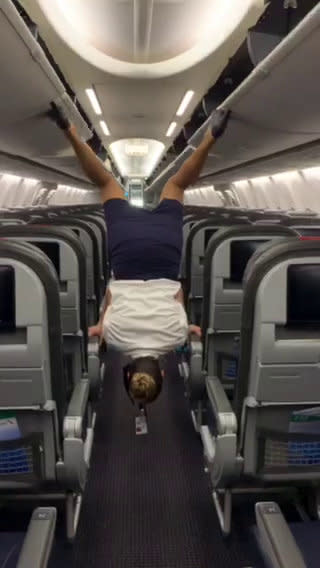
point(260, 180)
point(313, 171)
point(11, 177)
point(94, 101)
point(185, 102)
point(136, 201)
point(31, 180)
point(171, 129)
point(132, 159)
point(104, 128)
point(136, 149)
point(285, 176)
point(241, 182)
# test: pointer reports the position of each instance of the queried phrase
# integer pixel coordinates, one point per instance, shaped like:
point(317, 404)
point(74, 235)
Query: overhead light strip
point(94, 101)
point(4, 176)
point(104, 128)
point(290, 174)
point(171, 129)
point(185, 103)
point(312, 170)
point(260, 179)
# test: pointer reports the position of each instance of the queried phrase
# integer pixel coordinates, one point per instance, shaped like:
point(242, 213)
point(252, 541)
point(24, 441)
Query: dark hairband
point(127, 381)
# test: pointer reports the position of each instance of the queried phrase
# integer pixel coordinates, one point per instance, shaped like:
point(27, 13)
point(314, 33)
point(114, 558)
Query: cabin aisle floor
point(148, 502)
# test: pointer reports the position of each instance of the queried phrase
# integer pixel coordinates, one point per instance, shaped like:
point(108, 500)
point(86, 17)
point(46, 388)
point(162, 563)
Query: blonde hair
point(143, 387)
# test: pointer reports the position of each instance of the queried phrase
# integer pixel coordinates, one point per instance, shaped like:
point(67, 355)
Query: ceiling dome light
point(136, 157)
point(136, 149)
point(148, 39)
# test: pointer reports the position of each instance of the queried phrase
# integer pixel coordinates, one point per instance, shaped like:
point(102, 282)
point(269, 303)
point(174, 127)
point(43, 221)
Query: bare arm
point(97, 330)
point(192, 328)
point(106, 303)
point(189, 172)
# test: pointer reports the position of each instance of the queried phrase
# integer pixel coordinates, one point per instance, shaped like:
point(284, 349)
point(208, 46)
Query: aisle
point(147, 503)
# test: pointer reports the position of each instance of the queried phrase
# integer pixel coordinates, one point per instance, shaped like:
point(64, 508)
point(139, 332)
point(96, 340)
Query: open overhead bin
point(28, 84)
point(275, 112)
point(276, 109)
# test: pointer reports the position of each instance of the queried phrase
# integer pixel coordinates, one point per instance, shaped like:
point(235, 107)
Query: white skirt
point(144, 318)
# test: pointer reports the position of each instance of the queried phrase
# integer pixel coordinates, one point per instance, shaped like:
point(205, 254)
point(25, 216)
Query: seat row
point(53, 273)
point(253, 381)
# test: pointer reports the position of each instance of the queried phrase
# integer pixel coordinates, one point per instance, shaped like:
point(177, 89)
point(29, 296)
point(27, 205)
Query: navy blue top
point(144, 245)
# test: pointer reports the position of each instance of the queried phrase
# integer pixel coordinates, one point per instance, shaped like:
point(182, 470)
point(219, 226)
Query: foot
point(58, 115)
point(219, 122)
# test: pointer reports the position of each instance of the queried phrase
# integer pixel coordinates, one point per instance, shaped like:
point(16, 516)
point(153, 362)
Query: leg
point(190, 170)
point(91, 165)
point(94, 168)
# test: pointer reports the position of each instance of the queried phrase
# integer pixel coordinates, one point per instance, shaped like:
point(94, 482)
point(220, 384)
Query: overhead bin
point(276, 22)
point(28, 85)
point(275, 112)
point(277, 107)
point(29, 169)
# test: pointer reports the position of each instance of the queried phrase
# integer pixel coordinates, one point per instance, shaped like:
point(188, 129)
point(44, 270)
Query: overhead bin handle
point(71, 111)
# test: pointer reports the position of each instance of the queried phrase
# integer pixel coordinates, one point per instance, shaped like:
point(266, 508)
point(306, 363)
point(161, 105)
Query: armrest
point(195, 343)
point(73, 422)
point(38, 542)
point(93, 345)
point(225, 418)
point(277, 540)
point(196, 384)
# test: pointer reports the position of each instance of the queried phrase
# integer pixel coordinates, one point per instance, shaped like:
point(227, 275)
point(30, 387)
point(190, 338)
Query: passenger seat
point(67, 254)
point(195, 249)
point(226, 258)
point(265, 437)
point(46, 448)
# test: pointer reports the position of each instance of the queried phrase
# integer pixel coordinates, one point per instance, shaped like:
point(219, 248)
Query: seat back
point(68, 257)
point(99, 227)
point(88, 238)
point(197, 242)
point(277, 398)
point(188, 222)
point(99, 275)
point(67, 254)
point(225, 262)
point(305, 226)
